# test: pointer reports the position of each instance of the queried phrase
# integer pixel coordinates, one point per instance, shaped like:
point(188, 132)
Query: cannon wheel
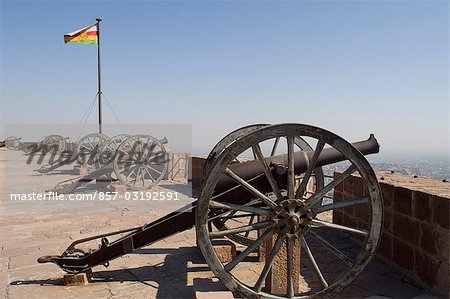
point(293, 205)
point(245, 238)
point(88, 148)
point(109, 149)
point(13, 143)
point(53, 144)
point(141, 162)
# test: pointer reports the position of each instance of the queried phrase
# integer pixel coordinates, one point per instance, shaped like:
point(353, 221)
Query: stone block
point(225, 250)
point(441, 210)
point(210, 288)
point(403, 200)
point(80, 170)
point(385, 246)
point(75, 279)
point(406, 228)
point(118, 188)
point(276, 281)
point(388, 194)
point(402, 254)
point(421, 206)
point(387, 220)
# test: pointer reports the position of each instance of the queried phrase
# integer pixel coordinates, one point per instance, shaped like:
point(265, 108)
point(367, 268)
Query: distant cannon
point(266, 180)
point(139, 162)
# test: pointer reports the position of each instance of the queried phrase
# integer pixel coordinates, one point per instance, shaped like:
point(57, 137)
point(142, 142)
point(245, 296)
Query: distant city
point(422, 168)
point(438, 168)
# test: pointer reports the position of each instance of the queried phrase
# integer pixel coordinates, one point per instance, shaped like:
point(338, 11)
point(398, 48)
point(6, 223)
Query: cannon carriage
point(264, 184)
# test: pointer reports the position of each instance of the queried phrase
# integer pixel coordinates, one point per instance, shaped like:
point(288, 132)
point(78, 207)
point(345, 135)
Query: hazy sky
point(352, 67)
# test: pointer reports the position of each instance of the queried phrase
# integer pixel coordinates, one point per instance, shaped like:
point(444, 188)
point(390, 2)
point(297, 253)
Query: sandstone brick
point(276, 281)
point(385, 246)
point(388, 194)
point(426, 268)
point(75, 279)
point(80, 170)
point(358, 187)
point(403, 200)
point(406, 228)
point(440, 207)
point(363, 213)
point(225, 250)
point(348, 185)
point(340, 186)
point(428, 241)
point(210, 288)
point(387, 221)
point(118, 188)
point(402, 254)
point(421, 205)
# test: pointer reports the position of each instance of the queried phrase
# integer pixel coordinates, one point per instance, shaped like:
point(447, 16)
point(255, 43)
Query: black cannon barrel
point(253, 171)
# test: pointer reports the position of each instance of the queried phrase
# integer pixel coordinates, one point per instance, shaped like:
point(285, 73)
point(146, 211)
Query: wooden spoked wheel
point(13, 143)
point(141, 162)
point(290, 218)
point(228, 220)
point(109, 149)
point(53, 144)
point(89, 148)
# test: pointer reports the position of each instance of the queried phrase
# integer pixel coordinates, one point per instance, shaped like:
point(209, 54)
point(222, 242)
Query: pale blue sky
point(352, 67)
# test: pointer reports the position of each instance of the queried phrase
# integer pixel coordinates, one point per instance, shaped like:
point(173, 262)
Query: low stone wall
point(416, 225)
point(197, 165)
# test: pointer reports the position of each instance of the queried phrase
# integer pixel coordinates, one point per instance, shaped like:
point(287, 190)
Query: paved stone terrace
point(165, 269)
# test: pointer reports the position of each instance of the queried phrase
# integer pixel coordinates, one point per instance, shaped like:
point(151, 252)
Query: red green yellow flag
point(86, 35)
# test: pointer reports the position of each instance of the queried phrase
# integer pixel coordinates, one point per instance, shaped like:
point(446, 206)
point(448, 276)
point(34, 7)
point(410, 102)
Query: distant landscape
point(433, 167)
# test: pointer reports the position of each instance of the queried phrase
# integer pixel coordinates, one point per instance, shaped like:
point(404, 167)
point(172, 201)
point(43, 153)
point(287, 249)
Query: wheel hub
point(292, 218)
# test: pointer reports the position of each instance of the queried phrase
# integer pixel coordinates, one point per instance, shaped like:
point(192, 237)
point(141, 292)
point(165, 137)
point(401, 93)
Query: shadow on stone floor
point(168, 279)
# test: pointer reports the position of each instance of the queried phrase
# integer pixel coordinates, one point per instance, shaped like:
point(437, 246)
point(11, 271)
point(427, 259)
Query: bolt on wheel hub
point(292, 218)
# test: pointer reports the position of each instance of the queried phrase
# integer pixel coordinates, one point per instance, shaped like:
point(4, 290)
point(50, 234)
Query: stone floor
point(165, 269)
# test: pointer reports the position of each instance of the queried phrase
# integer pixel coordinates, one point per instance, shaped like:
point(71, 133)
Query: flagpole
point(99, 93)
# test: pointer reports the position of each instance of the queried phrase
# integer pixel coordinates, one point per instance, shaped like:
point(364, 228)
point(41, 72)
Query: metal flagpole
point(99, 78)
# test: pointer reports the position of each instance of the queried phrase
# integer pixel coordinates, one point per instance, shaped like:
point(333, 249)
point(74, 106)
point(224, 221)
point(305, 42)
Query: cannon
point(13, 143)
point(266, 180)
point(139, 162)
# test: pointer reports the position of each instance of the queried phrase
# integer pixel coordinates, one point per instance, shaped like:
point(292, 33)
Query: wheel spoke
point(250, 188)
point(230, 206)
point(131, 173)
point(269, 263)
point(312, 165)
point(357, 231)
point(241, 229)
point(155, 170)
point(320, 194)
point(137, 176)
point(291, 170)
point(274, 148)
point(290, 267)
point(230, 266)
point(257, 150)
point(340, 204)
point(313, 262)
point(235, 187)
point(151, 177)
point(332, 249)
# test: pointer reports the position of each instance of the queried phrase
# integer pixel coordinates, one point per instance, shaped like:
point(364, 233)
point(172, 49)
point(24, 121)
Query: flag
point(86, 35)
